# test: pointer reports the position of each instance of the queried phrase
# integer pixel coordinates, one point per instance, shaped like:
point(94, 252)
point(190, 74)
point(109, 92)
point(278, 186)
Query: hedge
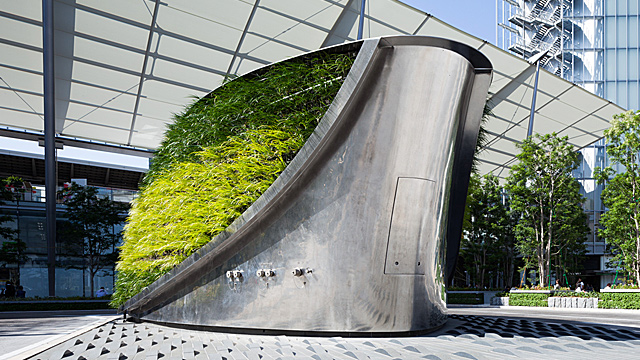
point(528, 300)
point(605, 300)
point(465, 298)
point(49, 306)
point(619, 300)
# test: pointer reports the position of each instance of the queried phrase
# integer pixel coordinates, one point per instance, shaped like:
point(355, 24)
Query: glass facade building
point(28, 217)
point(594, 44)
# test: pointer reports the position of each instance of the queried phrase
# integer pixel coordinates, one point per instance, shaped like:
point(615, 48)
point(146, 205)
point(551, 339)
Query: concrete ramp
point(352, 237)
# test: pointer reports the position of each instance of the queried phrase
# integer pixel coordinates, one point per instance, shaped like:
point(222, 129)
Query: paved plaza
point(470, 333)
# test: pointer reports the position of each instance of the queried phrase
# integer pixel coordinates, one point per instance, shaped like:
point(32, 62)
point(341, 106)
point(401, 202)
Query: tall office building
point(592, 43)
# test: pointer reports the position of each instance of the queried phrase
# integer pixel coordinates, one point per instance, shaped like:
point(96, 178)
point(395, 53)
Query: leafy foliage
point(217, 158)
point(582, 294)
point(483, 137)
point(194, 201)
point(291, 96)
point(619, 300)
point(89, 234)
point(621, 195)
point(13, 248)
point(487, 243)
point(548, 201)
point(539, 300)
point(465, 298)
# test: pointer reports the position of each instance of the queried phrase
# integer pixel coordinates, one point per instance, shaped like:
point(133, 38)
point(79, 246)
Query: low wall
point(500, 301)
point(486, 295)
point(50, 305)
point(573, 302)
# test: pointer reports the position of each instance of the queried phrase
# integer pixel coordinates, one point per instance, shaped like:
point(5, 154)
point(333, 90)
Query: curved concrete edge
point(42, 346)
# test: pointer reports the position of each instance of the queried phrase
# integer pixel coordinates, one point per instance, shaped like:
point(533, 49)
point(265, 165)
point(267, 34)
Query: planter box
point(573, 302)
point(487, 295)
point(50, 305)
point(500, 301)
point(620, 290)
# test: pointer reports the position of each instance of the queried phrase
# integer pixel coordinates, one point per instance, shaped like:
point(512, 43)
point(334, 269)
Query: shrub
point(217, 158)
point(51, 305)
point(528, 300)
point(619, 300)
point(465, 298)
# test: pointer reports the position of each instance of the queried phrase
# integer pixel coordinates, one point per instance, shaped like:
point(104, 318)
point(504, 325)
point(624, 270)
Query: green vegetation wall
point(218, 157)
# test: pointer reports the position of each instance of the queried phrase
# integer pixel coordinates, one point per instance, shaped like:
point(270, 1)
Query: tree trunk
point(482, 267)
point(93, 294)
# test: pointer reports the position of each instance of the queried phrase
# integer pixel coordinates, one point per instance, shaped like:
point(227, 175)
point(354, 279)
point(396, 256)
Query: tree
point(90, 230)
point(548, 201)
point(486, 230)
point(621, 195)
point(13, 248)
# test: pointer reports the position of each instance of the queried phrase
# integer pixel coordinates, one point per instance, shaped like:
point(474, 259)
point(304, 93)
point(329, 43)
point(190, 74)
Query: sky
point(476, 17)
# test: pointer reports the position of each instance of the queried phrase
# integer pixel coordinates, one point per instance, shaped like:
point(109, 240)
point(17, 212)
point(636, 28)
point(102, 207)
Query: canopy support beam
point(49, 140)
point(361, 20)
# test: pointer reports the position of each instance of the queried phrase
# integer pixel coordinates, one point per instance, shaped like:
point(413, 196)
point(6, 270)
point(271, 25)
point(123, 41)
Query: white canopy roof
point(101, 48)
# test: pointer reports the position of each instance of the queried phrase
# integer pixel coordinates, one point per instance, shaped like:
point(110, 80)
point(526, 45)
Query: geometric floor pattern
point(464, 337)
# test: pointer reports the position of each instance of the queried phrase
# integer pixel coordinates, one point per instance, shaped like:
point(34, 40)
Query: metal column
point(533, 100)
point(535, 59)
point(49, 140)
point(361, 22)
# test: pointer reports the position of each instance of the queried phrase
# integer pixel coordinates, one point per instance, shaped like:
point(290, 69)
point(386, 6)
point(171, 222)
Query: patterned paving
point(464, 337)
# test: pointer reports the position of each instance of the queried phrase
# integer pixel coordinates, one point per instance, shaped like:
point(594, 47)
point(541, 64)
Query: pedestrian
point(10, 290)
point(20, 293)
point(101, 292)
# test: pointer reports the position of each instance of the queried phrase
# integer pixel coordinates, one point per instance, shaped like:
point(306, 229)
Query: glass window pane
point(610, 7)
point(587, 187)
point(634, 97)
point(598, 28)
point(621, 65)
point(622, 31)
point(588, 162)
point(598, 66)
point(577, 7)
point(610, 32)
point(633, 7)
point(34, 279)
point(633, 64)
point(577, 173)
point(610, 91)
point(622, 94)
point(598, 201)
point(32, 233)
point(633, 31)
point(622, 7)
point(610, 65)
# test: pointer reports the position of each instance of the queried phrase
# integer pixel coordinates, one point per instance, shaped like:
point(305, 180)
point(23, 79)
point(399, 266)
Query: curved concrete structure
point(351, 237)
